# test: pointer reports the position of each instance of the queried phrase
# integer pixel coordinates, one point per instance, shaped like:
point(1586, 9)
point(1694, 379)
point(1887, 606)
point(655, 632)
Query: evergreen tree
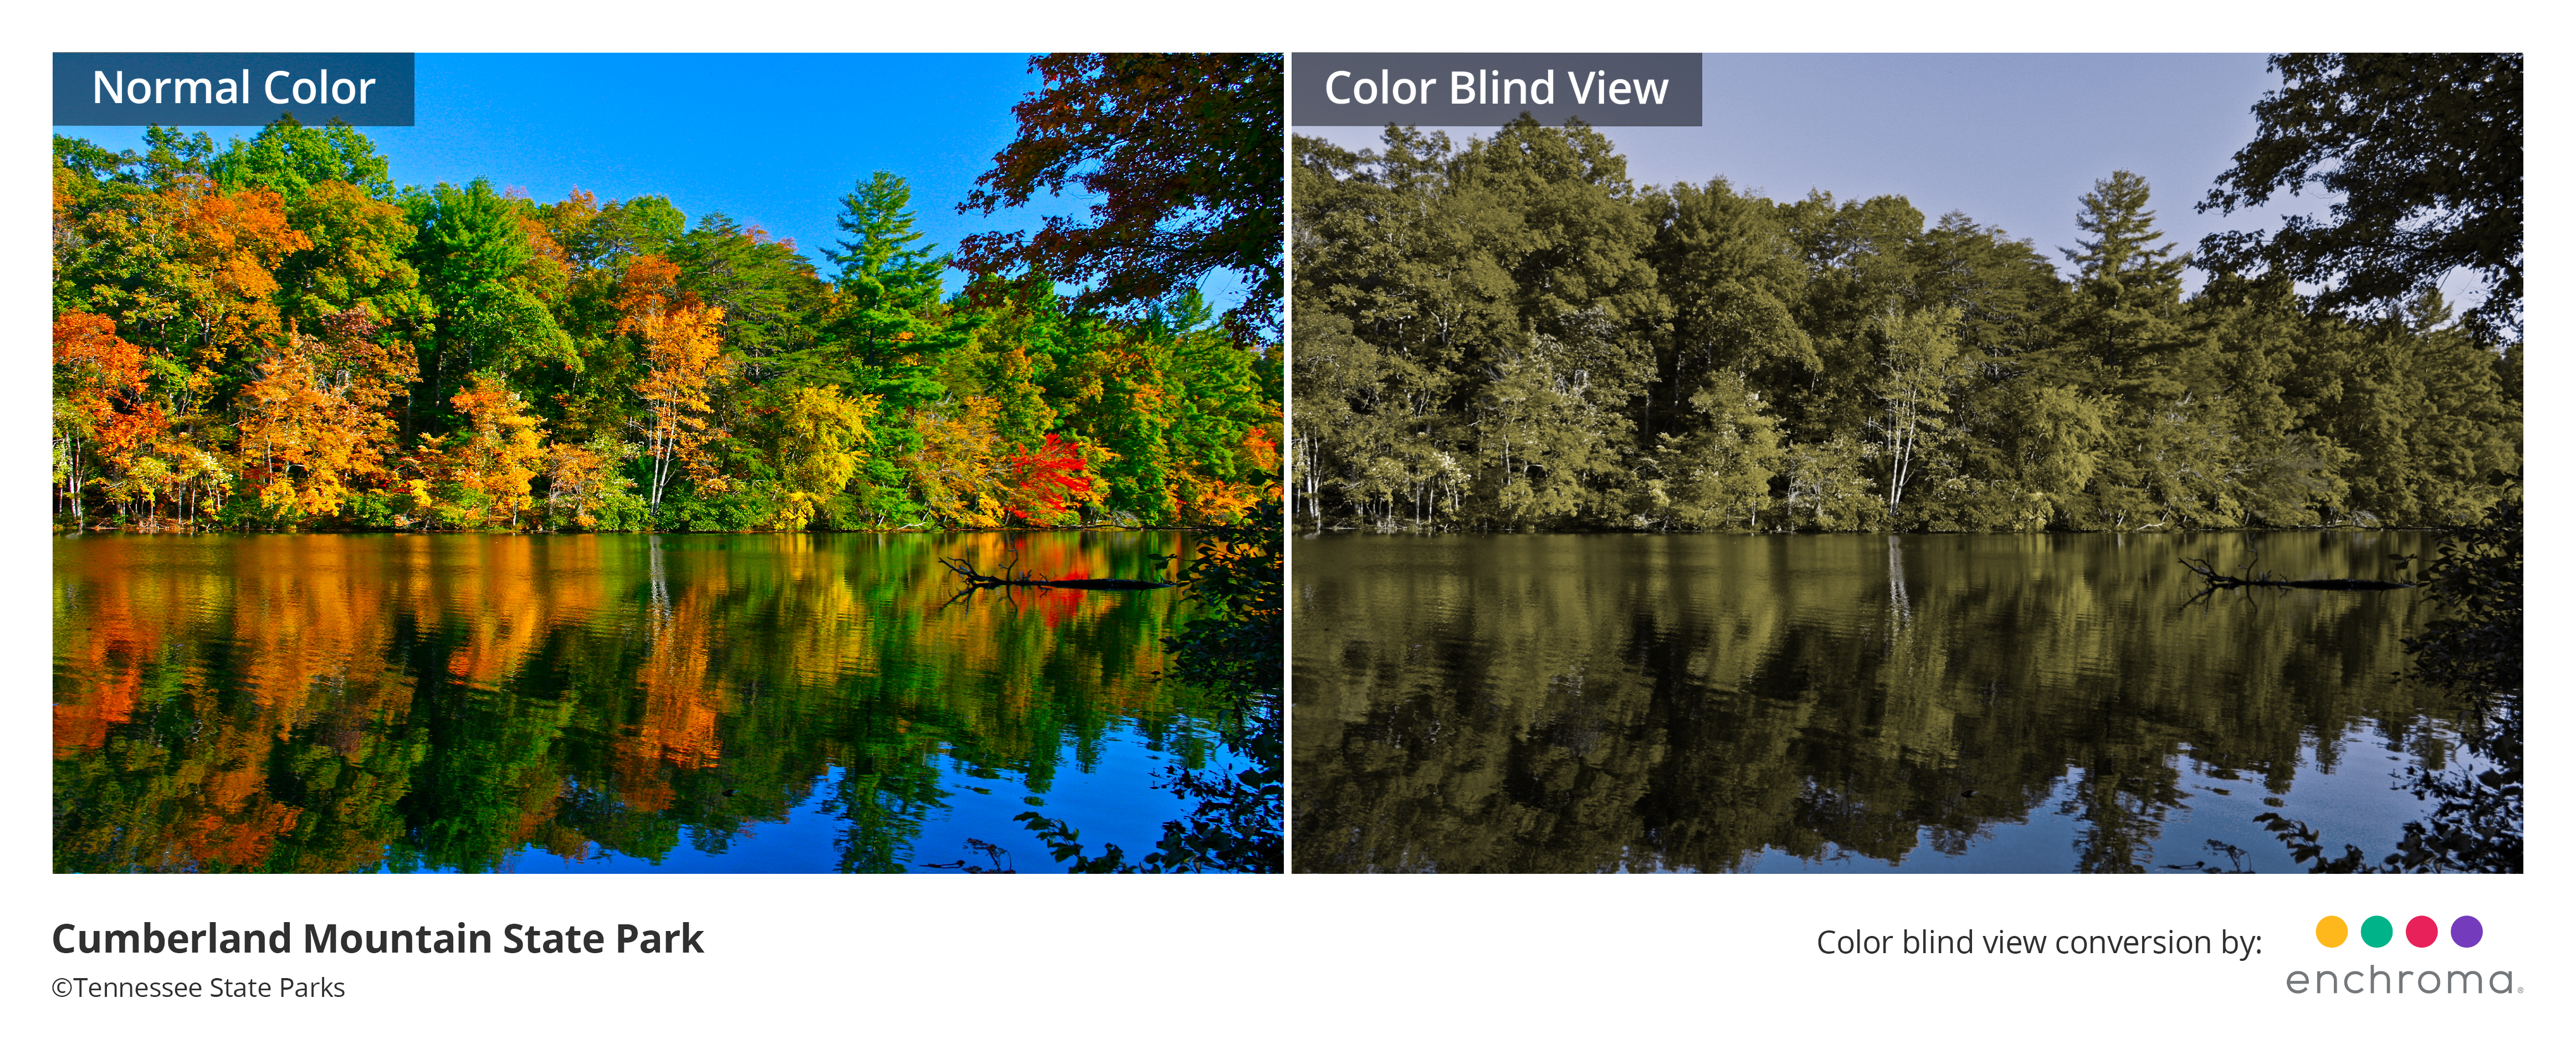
point(881, 268)
point(2130, 288)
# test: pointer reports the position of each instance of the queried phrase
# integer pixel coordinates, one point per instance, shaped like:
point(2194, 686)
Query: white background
point(1297, 962)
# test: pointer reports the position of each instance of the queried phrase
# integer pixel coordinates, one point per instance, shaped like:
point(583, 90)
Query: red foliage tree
point(1044, 487)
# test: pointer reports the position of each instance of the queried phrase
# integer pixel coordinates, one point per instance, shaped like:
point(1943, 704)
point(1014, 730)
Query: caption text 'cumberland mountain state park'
point(1684, 528)
point(443, 528)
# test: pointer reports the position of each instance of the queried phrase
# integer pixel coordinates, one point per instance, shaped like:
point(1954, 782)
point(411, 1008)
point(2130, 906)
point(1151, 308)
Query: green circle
point(2376, 931)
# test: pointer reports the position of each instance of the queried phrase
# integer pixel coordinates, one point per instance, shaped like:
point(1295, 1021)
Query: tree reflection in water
point(340, 703)
point(1951, 702)
point(1235, 650)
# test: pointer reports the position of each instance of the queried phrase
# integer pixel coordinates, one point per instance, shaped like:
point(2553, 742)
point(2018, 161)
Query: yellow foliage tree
point(957, 472)
point(825, 432)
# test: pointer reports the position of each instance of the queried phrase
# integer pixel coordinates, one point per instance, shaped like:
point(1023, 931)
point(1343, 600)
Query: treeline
point(272, 335)
point(1511, 335)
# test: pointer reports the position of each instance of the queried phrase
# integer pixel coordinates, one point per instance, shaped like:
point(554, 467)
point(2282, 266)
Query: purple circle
point(2466, 932)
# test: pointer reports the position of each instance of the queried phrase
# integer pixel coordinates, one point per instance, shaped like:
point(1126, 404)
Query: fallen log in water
point(978, 580)
point(2215, 580)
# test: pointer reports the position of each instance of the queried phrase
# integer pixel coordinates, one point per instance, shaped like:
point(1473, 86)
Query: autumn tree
point(685, 359)
point(824, 438)
point(101, 408)
point(955, 475)
point(1183, 152)
point(186, 270)
point(584, 489)
point(480, 475)
point(302, 443)
point(1046, 487)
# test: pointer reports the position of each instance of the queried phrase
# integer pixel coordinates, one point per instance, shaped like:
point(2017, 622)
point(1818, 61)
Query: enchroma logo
point(2422, 932)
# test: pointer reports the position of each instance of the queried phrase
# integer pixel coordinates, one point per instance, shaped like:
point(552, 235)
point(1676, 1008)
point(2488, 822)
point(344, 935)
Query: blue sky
point(2010, 140)
point(772, 140)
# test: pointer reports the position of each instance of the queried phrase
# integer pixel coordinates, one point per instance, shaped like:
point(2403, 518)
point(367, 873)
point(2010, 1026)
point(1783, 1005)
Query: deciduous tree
point(685, 358)
point(2421, 157)
point(1182, 151)
point(825, 437)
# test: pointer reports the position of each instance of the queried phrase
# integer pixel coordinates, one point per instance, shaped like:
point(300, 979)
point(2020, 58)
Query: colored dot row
point(2421, 931)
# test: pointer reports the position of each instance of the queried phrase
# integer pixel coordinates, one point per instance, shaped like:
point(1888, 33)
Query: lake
point(769, 703)
point(1818, 703)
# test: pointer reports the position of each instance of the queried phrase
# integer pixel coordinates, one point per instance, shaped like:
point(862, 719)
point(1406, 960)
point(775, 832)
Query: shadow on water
point(1990, 703)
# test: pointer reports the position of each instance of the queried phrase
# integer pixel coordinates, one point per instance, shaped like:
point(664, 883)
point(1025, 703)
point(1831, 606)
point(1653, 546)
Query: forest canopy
point(1509, 334)
point(271, 334)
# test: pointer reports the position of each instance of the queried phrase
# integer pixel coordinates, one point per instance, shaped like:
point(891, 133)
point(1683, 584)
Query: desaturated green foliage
point(1507, 334)
point(2422, 155)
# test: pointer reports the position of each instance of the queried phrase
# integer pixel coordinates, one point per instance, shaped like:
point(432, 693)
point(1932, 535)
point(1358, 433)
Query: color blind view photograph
point(1930, 463)
point(782, 463)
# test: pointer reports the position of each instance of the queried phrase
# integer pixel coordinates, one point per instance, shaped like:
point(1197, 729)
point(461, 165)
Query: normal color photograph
point(783, 463)
point(1931, 463)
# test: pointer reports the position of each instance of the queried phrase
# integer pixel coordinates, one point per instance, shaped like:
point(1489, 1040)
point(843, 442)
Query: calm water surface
point(620, 702)
point(1972, 703)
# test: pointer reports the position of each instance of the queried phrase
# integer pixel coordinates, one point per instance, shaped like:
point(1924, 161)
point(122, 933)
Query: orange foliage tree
point(295, 429)
point(229, 245)
point(685, 357)
point(99, 400)
point(480, 476)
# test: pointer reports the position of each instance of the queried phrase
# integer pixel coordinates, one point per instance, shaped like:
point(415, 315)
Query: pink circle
point(2422, 931)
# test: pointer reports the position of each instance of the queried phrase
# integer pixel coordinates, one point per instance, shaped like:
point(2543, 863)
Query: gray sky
point(2011, 140)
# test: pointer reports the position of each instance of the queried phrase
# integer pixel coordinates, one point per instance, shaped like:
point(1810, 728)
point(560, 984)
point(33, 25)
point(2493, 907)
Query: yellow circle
point(2331, 931)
